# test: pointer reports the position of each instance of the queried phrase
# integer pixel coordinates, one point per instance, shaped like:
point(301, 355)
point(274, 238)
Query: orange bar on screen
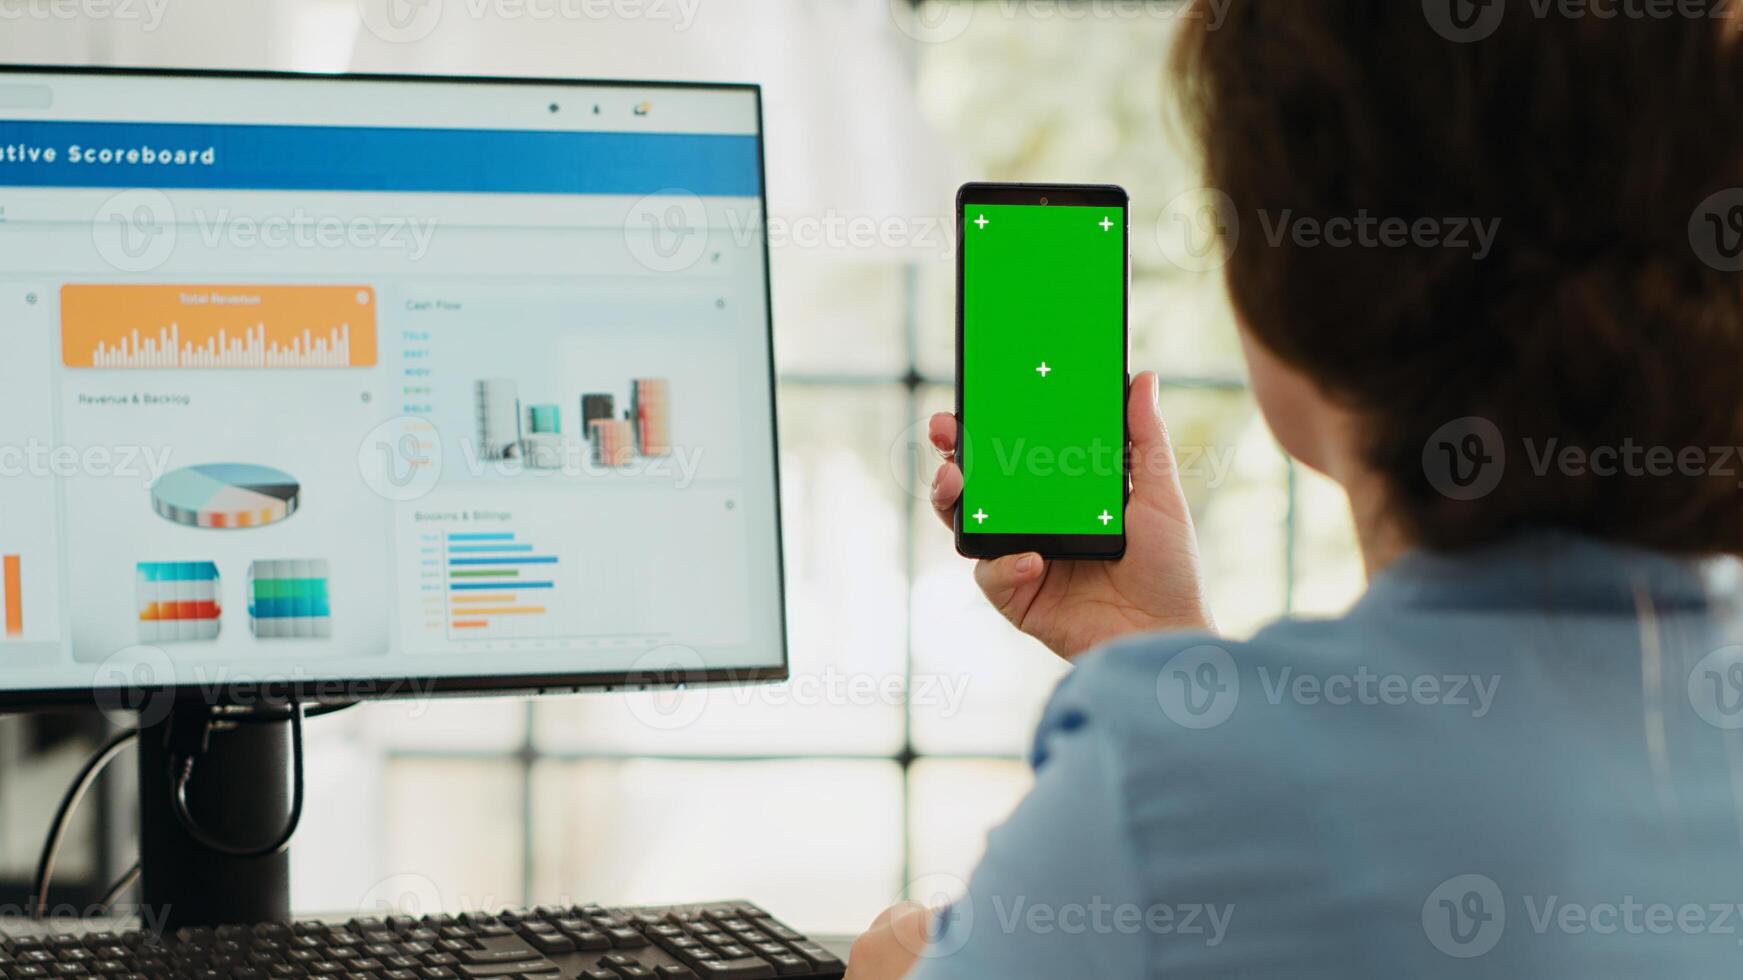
point(13, 573)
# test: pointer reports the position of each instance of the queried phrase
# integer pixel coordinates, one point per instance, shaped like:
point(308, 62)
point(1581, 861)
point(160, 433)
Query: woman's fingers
point(1155, 480)
point(941, 430)
point(946, 491)
point(1011, 583)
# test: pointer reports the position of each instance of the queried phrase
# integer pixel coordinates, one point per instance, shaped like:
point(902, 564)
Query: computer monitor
point(344, 387)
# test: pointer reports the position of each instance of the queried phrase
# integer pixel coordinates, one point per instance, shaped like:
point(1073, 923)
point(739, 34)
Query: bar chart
point(547, 576)
point(179, 601)
point(182, 327)
point(288, 599)
point(497, 585)
point(510, 429)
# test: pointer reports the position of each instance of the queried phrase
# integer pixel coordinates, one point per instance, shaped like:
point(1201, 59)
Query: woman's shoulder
point(1197, 680)
point(1300, 696)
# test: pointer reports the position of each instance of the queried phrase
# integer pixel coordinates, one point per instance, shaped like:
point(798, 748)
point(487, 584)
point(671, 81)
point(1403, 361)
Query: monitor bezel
point(320, 690)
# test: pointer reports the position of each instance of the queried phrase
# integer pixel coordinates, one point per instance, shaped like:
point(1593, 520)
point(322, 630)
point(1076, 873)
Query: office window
point(878, 769)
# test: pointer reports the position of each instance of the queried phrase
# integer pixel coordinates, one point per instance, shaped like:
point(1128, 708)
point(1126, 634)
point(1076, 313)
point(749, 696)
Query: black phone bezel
point(1104, 547)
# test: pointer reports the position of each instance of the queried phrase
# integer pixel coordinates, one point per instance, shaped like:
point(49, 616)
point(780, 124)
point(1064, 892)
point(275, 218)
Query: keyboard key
point(820, 958)
point(587, 940)
point(497, 955)
point(741, 969)
point(626, 938)
point(477, 971)
point(675, 973)
point(549, 942)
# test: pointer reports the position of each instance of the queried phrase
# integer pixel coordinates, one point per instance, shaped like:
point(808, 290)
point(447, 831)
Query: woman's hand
point(893, 944)
point(1074, 606)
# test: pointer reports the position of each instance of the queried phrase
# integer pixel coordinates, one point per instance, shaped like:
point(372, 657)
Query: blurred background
point(900, 740)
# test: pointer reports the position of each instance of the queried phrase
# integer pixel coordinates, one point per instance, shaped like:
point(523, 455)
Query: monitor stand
point(239, 793)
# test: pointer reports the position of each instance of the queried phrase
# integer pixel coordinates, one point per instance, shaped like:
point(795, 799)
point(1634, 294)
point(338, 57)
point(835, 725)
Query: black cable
point(181, 771)
point(113, 747)
point(119, 888)
point(57, 832)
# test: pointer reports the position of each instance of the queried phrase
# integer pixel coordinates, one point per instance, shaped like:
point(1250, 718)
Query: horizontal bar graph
point(179, 601)
point(289, 599)
point(469, 549)
point(489, 576)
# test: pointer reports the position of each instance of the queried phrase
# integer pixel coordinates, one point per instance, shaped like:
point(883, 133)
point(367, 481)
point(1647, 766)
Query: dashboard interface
point(339, 378)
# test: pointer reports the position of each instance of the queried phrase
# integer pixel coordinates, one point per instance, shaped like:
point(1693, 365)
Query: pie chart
point(226, 495)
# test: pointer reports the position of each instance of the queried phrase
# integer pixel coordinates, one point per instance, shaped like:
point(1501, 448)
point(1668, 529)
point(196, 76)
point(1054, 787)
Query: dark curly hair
point(1609, 312)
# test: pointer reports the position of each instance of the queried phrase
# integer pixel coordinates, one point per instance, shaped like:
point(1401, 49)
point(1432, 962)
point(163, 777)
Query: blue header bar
point(339, 158)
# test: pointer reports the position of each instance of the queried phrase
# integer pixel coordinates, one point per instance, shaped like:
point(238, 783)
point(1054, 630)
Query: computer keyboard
point(724, 941)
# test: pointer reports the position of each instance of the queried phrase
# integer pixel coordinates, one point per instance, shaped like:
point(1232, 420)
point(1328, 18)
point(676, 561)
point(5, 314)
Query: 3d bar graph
point(289, 599)
point(651, 411)
point(499, 426)
point(179, 601)
point(509, 429)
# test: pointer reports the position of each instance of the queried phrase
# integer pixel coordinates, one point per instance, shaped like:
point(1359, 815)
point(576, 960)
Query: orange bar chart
point(181, 327)
point(12, 586)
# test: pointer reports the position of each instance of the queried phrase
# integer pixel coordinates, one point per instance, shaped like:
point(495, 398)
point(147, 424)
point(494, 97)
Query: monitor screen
point(382, 386)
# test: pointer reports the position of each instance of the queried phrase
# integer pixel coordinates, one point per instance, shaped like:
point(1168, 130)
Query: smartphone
point(1042, 290)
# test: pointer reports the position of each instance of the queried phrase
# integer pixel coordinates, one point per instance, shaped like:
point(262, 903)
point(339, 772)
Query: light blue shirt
point(1523, 762)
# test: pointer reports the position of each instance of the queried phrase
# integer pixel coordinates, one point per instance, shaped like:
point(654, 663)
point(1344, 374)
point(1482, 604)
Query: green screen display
point(1044, 361)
